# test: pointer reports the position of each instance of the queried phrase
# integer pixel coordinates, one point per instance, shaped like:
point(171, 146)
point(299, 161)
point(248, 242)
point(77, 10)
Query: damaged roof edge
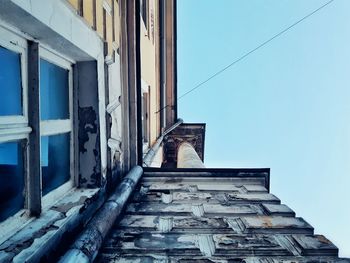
point(210, 172)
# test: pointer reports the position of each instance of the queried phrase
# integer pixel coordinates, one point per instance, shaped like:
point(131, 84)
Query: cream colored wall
point(74, 3)
point(88, 14)
point(149, 66)
point(149, 48)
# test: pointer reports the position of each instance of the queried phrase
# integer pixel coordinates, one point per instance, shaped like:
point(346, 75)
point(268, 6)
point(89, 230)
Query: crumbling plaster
point(33, 242)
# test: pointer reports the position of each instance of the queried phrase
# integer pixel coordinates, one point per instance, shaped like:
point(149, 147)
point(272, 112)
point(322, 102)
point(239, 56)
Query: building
point(88, 97)
point(80, 79)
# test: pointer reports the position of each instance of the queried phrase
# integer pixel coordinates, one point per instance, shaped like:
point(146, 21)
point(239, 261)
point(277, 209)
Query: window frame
point(15, 128)
point(144, 14)
point(18, 128)
point(17, 44)
point(59, 126)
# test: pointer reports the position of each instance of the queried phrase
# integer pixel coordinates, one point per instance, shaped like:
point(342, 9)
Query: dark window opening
point(144, 12)
point(54, 91)
point(81, 7)
point(11, 179)
point(104, 24)
point(94, 14)
point(113, 21)
point(145, 117)
point(10, 83)
point(55, 161)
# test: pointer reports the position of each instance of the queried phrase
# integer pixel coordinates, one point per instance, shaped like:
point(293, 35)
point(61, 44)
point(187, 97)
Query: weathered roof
point(212, 216)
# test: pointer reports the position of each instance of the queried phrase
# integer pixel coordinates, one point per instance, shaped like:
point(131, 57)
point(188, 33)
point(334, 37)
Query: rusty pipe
point(87, 245)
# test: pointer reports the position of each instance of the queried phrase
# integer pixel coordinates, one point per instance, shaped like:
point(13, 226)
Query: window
point(55, 121)
point(10, 83)
point(144, 12)
point(56, 125)
point(11, 179)
point(55, 161)
point(13, 79)
point(14, 128)
point(54, 91)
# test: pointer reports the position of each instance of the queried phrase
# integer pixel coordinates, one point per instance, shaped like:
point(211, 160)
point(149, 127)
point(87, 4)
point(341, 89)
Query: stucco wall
point(112, 16)
point(55, 26)
point(149, 65)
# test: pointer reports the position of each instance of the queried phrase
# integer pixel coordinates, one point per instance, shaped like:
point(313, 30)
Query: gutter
point(147, 160)
point(86, 246)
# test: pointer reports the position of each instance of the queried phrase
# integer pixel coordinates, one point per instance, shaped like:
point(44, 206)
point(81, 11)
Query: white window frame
point(57, 127)
point(15, 128)
point(20, 218)
point(17, 44)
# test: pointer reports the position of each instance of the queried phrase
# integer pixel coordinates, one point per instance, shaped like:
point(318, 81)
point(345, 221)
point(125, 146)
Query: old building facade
point(89, 134)
point(80, 81)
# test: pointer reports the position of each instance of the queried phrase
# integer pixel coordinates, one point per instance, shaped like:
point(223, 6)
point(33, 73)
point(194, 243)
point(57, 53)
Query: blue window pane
point(54, 92)
point(10, 83)
point(11, 179)
point(55, 161)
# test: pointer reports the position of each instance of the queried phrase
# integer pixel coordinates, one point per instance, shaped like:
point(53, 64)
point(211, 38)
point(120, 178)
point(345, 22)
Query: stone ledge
point(39, 239)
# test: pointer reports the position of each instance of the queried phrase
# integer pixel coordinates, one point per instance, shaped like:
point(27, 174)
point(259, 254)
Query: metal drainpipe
point(87, 245)
point(187, 157)
point(147, 160)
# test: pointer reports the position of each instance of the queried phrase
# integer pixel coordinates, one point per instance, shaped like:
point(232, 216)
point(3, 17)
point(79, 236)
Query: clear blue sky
point(286, 107)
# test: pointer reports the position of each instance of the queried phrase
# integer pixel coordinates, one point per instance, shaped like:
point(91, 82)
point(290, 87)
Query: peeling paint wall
point(55, 25)
point(90, 169)
point(212, 216)
point(31, 244)
point(114, 111)
point(89, 38)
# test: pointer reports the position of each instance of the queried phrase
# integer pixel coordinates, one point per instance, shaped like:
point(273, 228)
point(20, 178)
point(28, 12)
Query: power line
point(251, 51)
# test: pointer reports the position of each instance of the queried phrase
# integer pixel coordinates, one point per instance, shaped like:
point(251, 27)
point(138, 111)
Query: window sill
point(39, 237)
